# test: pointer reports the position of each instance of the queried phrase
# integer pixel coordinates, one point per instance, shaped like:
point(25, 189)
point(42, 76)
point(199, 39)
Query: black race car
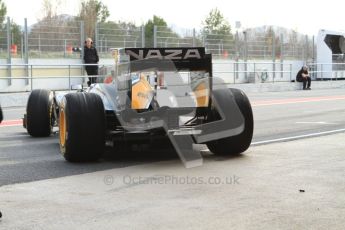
point(160, 92)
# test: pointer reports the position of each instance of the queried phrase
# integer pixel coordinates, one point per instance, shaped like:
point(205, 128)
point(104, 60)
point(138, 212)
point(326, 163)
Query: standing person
point(303, 76)
point(90, 57)
point(1, 117)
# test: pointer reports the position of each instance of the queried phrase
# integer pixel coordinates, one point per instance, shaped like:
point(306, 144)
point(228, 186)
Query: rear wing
point(170, 59)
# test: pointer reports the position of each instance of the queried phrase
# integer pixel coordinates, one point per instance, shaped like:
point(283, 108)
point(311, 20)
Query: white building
point(330, 54)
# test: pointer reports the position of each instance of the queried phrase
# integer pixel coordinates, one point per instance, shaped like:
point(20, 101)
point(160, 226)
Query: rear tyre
point(235, 145)
point(82, 127)
point(39, 113)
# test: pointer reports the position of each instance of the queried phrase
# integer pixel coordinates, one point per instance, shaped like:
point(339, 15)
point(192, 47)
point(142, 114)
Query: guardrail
point(328, 71)
point(27, 72)
point(231, 72)
point(254, 72)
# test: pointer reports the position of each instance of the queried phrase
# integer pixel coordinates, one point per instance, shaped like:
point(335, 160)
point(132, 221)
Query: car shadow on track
point(25, 159)
point(149, 154)
point(139, 153)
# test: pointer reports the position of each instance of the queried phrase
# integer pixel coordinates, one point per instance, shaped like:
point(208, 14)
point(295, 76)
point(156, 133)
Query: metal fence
point(55, 39)
point(300, 47)
point(222, 46)
point(64, 37)
point(260, 45)
point(5, 39)
point(167, 37)
point(245, 45)
point(110, 35)
point(3, 42)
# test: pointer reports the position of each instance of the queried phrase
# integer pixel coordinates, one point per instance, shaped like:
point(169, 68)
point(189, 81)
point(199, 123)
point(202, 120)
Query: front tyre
point(39, 113)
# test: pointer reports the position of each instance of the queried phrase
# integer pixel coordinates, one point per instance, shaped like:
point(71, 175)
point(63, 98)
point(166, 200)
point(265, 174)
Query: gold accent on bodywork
point(202, 94)
point(142, 94)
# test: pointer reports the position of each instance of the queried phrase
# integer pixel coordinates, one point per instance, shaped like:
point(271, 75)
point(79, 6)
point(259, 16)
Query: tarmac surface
point(289, 185)
point(292, 177)
point(277, 115)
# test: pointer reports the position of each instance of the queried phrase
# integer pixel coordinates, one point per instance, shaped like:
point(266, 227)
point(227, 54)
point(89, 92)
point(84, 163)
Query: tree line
point(93, 11)
point(61, 28)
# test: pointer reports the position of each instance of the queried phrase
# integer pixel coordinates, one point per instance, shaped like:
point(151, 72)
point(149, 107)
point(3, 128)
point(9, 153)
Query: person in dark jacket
point(90, 57)
point(303, 76)
point(1, 116)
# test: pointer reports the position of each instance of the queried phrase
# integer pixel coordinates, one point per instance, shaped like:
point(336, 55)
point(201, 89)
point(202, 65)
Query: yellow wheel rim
point(62, 128)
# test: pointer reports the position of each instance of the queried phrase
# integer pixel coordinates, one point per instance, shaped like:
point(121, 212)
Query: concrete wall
point(256, 71)
point(48, 77)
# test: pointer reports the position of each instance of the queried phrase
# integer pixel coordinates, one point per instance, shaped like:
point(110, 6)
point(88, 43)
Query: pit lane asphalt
point(276, 115)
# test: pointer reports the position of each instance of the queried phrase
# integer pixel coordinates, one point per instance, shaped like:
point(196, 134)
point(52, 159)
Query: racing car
point(160, 93)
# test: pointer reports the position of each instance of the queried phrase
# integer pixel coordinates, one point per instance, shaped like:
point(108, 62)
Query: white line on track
point(297, 137)
point(4, 126)
point(316, 122)
point(14, 136)
point(13, 109)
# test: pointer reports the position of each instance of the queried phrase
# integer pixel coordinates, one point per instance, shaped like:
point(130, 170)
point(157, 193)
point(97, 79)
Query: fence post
point(245, 53)
point(26, 50)
point(82, 39)
point(142, 36)
point(9, 71)
point(321, 72)
point(31, 76)
point(237, 50)
point(64, 50)
point(254, 72)
point(273, 55)
point(106, 45)
point(313, 49)
point(281, 55)
point(39, 45)
point(97, 37)
point(307, 48)
point(194, 37)
point(234, 72)
point(154, 36)
point(69, 77)
point(336, 76)
point(22, 45)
